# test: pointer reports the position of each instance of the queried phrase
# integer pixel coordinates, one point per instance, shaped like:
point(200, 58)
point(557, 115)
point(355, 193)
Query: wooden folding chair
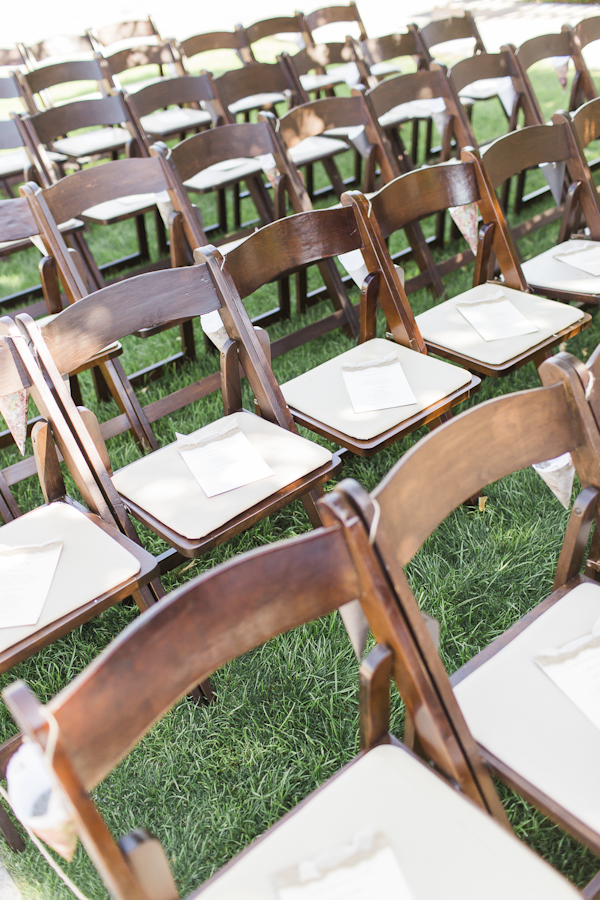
point(443, 328)
point(251, 35)
point(102, 715)
point(13, 165)
point(586, 125)
point(130, 32)
point(311, 69)
point(318, 399)
point(98, 565)
point(378, 56)
point(159, 489)
point(347, 115)
point(198, 163)
point(511, 706)
point(550, 273)
point(58, 48)
point(104, 187)
point(262, 86)
point(171, 107)
point(549, 47)
point(332, 15)
point(444, 30)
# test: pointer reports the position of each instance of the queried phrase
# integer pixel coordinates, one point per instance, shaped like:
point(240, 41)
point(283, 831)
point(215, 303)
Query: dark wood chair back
point(173, 91)
point(257, 78)
point(258, 31)
point(328, 15)
point(549, 46)
point(375, 51)
point(205, 43)
point(100, 717)
point(159, 55)
point(588, 30)
point(452, 28)
point(46, 77)
point(12, 57)
point(61, 46)
point(315, 58)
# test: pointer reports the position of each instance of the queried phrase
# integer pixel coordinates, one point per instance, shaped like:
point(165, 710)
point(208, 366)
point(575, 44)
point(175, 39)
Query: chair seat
point(179, 118)
point(315, 148)
point(344, 74)
point(162, 484)
point(385, 68)
point(445, 326)
point(414, 109)
point(221, 174)
point(485, 88)
point(474, 856)
point(321, 392)
point(122, 208)
point(547, 272)
point(535, 729)
point(16, 162)
point(91, 562)
point(101, 140)
point(256, 101)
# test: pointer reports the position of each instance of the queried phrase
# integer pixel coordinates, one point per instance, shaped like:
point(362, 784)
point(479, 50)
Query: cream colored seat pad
point(314, 148)
point(444, 845)
point(414, 109)
point(162, 484)
point(123, 206)
point(98, 141)
point(523, 718)
point(321, 392)
point(213, 176)
point(546, 271)
point(445, 326)
point(178, 117)
point(254, 101)
point(91, 562)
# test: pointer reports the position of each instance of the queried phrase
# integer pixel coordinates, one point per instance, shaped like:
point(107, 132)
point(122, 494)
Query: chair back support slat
point(453, 28)
point(320, 115)
point(331, 14)
point(391, 46)
point(193, 632)
point(586, 122)
point(63, 73)
point(524, 149)
point(319, 56)
point(457, 460)
point(123, 31)
point(10, 136)
point(64, 45)
point(588, 30)
point(269, 27)
point(423, 85)
point(288, 244)
point(216, 40)
point(9, 88)
point(86, 327)
point(132, 57)
point(53, 123)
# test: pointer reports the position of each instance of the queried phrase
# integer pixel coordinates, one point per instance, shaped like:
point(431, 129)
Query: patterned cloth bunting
point(465, 219)
point(14, 409)
point(561, 67)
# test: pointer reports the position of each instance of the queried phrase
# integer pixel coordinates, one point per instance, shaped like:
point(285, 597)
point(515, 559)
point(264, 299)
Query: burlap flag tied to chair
point(561, 67)
point(14, 409)
point(465, 219)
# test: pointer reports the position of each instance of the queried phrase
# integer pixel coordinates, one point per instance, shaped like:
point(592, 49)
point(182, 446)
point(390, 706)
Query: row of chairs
point(440, 777)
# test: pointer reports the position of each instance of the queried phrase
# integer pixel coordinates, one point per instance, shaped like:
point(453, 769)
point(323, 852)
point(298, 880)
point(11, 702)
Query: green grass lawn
point(207, 781)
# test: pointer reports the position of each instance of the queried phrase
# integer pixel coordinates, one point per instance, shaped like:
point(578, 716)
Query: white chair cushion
point(321, 392)
point(177, 118)
point(546, 271)
point(312, 149)
point(445, 326)
point(98, 141)
point(163, 485)
point(123, 206)
point(13, 163)
point(221, 173)
point(473, 856)
point(91, 562)
point(515, 711)
point(255, 101)
point(415, 109)
point(485, 88)
point(385, 68)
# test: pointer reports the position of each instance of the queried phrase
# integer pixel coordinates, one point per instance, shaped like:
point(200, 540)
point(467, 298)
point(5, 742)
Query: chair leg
point(142, 238)
point(222, 209)
point(10, 833)
point(188, 342)
point(161, 236)
point(129, 404)
point(333, 172)
point(309, 501)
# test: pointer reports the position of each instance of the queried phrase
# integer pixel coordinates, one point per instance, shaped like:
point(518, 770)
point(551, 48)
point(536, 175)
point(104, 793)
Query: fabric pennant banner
point(465, 219)
point(561, 67)
point(559, 475)
point(554, 173)
point(14, 409)
point(356, 625)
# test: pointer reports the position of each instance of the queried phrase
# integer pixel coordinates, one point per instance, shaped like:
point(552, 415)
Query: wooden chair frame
point(479, 447)
point(424, 192)
point(319, 235)
point(329, 14)
point(204, 43)
point(250, 34)
point(122, 31)
point(184, 293)
point(39, 81)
